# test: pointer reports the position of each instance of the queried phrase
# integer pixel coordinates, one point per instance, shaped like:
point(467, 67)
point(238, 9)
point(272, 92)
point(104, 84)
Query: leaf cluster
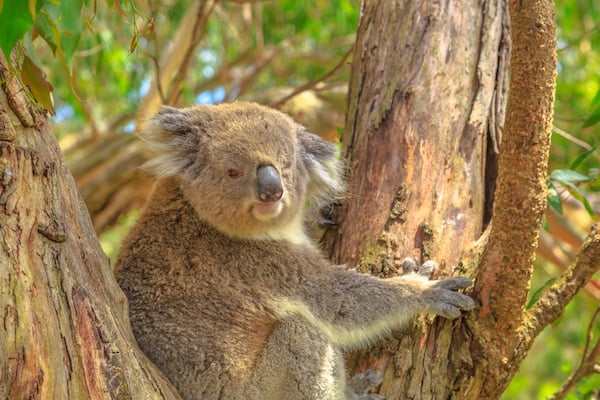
point(577, 106)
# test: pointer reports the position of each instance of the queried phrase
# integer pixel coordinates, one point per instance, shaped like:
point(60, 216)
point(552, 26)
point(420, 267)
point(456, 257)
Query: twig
point(177, 59)
point(579, 39)
point(311, 84)
point(571, 138)
point(261, 63)
point(574, 140)
point(588, 363)
point(199, 24)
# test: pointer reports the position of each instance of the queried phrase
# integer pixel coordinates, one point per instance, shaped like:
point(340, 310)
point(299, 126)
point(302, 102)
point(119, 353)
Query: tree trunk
point(426, 80)
point(65, 331)
point(425, 111)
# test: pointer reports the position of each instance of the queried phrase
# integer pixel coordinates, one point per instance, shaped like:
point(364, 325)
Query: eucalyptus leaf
point(35, 79)
point(60, 25)
point(538, 293)
point(578, 194)
point(582, 157)
point(596, 100)
point(593, 119)
point(567, 175)
point(15, 21)
point(554, 199)
point(46, 28)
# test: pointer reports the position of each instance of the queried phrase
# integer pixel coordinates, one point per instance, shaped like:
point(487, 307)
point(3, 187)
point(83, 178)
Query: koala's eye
point(234, 173)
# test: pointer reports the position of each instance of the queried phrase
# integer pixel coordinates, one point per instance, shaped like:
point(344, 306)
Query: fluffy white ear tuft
point(171, 140)
point(324, 167)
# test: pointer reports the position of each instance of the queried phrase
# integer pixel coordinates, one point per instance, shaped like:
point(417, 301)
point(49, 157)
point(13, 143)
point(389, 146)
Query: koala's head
point(248, 170)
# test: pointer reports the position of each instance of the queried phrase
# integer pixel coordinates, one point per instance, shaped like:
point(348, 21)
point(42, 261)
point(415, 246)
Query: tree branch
point(520, 199)
point(185, 41)
point(313, 83)
point(552, 303)
point(502, 284)
point(199, 24)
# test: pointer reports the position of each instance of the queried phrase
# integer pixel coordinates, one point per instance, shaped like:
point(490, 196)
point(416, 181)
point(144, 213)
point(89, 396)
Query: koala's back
point(198, 298)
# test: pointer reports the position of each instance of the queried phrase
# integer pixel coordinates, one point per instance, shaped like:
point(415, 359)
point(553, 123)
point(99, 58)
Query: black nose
point(268, 183)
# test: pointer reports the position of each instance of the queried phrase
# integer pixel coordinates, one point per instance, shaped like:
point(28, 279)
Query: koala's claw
point(365, 381)
point(455, 283)
point(443, 298)
point(326, 222)
point(446, 301)
point(428, 268)
point(410, 266)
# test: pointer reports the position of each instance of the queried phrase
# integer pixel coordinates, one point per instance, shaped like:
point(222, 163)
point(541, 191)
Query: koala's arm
point(353, 309)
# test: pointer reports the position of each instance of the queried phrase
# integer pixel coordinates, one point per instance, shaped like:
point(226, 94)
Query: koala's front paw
point(363, 382)
point(445, 301)
point(441, 296)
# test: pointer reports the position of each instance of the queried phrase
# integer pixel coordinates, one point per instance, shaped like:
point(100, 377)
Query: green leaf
point(545, 224)
point(595, 101)
point(555, 203)
point(70, 25)
point(60, 26)
point(567, 175)
point(582, 158)
point(47, 29)
point(576, 192)
point(538, 293)
point(554, 199)
point(593, 119)
point(15, 21)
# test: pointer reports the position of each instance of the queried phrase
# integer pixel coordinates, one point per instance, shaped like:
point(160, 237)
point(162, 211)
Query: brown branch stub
point(7, 131)
point(15, 95)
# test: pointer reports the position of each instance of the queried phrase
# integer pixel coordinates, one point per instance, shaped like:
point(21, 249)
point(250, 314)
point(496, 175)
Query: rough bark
point(65, 331)
point(426, 78)
point(426, 90)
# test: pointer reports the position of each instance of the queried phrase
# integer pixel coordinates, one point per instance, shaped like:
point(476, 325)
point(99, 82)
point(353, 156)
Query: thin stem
point(587, 366)
point(313, 83)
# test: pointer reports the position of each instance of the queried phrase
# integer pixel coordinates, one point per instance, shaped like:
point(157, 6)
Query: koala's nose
point(268, 183)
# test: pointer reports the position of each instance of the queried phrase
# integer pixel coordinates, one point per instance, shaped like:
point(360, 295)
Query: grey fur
point(231, 300)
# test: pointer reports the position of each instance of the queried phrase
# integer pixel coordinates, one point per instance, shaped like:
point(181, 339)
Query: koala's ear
point(324, 167)
point(171, 138)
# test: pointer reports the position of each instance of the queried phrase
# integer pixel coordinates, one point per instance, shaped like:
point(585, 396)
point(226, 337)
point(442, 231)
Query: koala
point(227, 294)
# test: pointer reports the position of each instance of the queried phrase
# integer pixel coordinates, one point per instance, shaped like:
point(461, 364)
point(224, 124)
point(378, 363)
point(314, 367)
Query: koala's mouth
point(266, 211)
